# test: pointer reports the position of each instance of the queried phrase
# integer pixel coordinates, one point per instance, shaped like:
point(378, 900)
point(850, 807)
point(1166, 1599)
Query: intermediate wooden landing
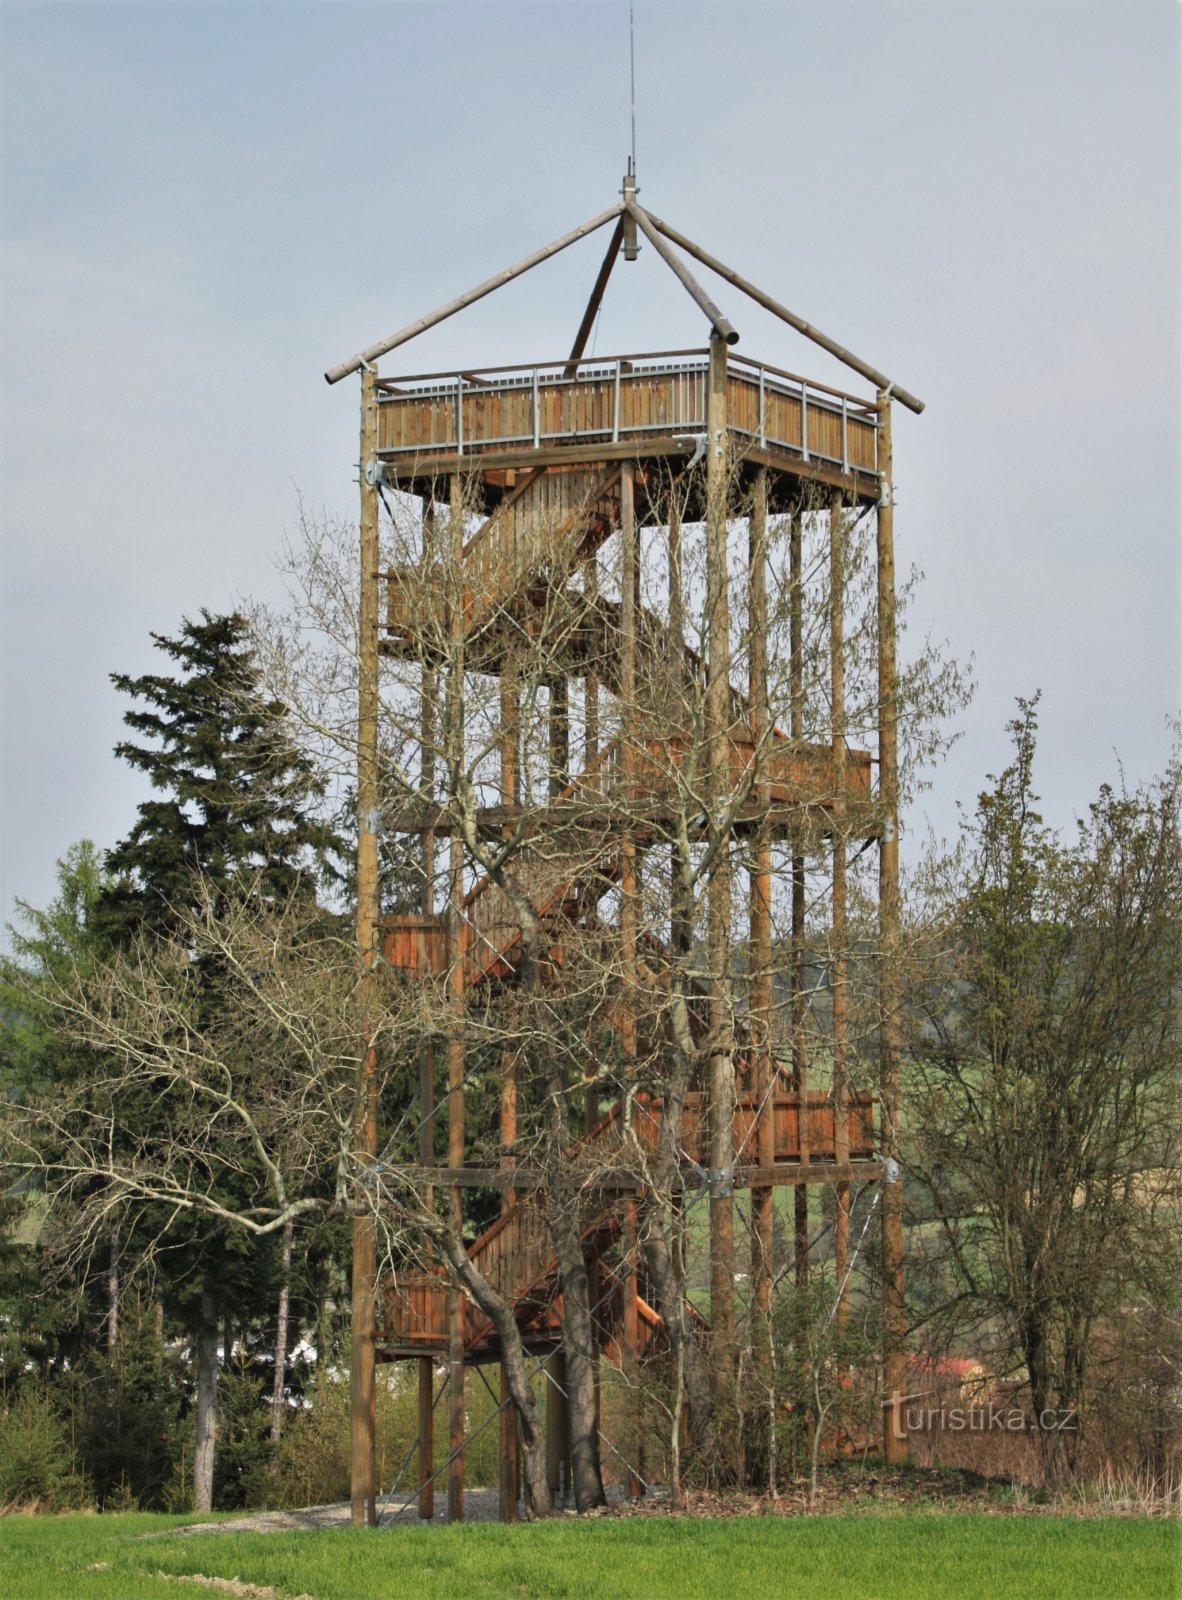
point(516, 1254)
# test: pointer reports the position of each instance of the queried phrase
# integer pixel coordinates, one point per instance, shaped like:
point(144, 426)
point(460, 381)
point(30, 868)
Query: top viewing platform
point(621, 406)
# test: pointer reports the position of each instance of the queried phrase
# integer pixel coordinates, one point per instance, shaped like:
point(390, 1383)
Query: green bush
point(131, 1418)
point(311, 1464)
point(36, 1469)
point(242, 1460)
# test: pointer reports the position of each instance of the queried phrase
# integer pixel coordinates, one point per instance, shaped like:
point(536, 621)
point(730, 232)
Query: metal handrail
point(475, 377)
point(686, 414)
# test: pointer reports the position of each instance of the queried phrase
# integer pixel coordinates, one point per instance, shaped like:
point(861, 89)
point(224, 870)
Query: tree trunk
point(579, 1345)
point(666, 1277)
point(281, 1338)
point(670, 1297)
point(207, 1403)
point(533, 1438)
point(113, 1293)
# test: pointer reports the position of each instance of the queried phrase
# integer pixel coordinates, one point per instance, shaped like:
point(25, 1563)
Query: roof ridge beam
point(723, 328)
point(879, 379)
point(413, 329)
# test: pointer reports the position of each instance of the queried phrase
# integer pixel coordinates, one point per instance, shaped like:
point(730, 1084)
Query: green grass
point(932, 1556)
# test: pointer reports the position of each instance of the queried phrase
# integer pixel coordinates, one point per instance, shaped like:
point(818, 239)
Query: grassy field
point(959, 1556)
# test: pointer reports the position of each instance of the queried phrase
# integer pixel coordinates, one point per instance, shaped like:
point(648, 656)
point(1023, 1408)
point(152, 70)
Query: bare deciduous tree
point(1045, 1092)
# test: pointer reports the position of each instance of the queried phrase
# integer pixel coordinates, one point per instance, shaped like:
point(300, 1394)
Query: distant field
point(928, 1556)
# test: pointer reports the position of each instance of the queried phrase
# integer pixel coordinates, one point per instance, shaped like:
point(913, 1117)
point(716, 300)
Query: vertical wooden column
point(590, 751)
point(510, 754)
point(508, 1476)
point(679, 934)
point(427, 742)
point(840, 1090)
point(558, 1441)
point(762, 1087)
point(676, 590)
point(800, 1080)
point(559, 730)
point(722, 1063)
point(591, 681)
point(894, 1355)
point(510, 796)
point(363, 1478)
point(457, 956)
point(630, 1348)
point(629, 892)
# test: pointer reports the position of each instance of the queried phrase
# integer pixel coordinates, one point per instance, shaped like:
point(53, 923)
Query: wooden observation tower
point(618, 602)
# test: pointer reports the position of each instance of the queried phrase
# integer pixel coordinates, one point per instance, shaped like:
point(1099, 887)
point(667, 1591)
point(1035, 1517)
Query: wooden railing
point(820, 1128)
point(618, 399)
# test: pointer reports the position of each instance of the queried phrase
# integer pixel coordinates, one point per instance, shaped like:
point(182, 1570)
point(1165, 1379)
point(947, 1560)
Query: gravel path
point(399, 1511)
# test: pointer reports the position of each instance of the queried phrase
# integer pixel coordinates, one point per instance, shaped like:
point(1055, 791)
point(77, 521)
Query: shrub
point(130, 1433)
point(36, 1469)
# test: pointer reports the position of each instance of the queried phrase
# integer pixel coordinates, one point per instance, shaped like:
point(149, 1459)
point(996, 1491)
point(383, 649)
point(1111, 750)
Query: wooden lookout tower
point(628, 702)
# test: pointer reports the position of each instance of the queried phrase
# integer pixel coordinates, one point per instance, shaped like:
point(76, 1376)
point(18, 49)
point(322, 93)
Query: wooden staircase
point(546, 524)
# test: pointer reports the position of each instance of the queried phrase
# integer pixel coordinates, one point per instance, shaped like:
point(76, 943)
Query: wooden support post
point(760, 958)
point(363, 1478)
point(630, 1349)
point(680, 930)
point(800, 1080)
point(559, 730)
point(676, 588)
point(591, 682)
point(428, 736)
point(509, 1468)
point(894, 1354)
point(510, 732)
point(558, 1442)
point(722, 1062)
point(510, 753)
point(457, 956)
point(510, 1461)
point(629, 892)
point(840, 1088)
point(590, 751)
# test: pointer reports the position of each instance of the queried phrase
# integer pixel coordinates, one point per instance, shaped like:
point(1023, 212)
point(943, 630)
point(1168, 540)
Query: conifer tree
point(237, 800)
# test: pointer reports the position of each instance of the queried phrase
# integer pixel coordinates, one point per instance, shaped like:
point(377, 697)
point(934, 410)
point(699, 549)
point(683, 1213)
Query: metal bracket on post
point(375, 472)
point(629, 192)
point(722, 1183)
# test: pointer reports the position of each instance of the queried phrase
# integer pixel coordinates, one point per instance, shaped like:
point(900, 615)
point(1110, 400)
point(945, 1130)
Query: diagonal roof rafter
point(498, 281)
point(847, 357)
point(662, 236)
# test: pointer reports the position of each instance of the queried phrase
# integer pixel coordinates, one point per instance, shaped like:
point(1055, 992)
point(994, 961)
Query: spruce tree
point(237, 800)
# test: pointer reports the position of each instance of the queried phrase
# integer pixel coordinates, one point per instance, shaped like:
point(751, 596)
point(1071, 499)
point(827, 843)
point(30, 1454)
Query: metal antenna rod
point(632, 60)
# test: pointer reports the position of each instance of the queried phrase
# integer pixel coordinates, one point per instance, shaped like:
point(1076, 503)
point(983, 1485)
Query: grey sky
point(205, 205)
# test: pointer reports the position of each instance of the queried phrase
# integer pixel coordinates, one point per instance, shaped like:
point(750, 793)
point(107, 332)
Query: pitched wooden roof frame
point(661, 235)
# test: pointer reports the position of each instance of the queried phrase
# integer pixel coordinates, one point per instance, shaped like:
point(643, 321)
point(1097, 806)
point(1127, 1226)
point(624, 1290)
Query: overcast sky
point(205, 205)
